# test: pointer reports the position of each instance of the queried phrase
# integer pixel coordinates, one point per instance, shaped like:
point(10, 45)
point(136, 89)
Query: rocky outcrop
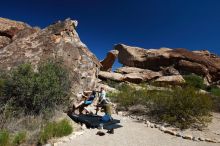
point(167, 71)
point(188, 66)
point(174, 80)
point(111, 76)
point(127, 70)
point(4, 41)
point(106, 87)
point(59, 41)
point(9, 29)
point(126, 74)
point(137, 75)
point(108, 62)
point(180, 61)
point(151, 59)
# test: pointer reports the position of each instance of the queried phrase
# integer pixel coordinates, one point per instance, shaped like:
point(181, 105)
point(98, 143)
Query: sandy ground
point(133, 133)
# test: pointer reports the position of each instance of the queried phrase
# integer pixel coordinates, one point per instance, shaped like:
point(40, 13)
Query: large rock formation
point(179, 60)
point(21, 43)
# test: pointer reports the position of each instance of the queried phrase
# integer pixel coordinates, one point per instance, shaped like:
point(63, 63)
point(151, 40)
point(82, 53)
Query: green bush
point(7, 139)
point(112, 83)
point(194, 81)
point(35, 92)
point(128, 96)
point(184, 107)
point(19, 138)
point(181, 107)
point(215, 91)
point(55, 129)
point(2, 83)
point(4, 138)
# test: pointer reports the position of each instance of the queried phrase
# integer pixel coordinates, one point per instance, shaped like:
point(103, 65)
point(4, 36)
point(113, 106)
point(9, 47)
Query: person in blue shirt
point(88, 100)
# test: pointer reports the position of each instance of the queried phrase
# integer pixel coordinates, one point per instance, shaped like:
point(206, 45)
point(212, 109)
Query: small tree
point(34, 92)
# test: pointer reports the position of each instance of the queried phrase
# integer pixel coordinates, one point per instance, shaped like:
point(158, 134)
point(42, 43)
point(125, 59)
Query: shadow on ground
point(94, 121)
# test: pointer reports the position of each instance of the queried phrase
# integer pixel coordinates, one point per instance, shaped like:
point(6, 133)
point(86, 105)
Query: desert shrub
point(194, 81)
point(4, 138)
point(35, 92)
point(2, 83)
point(8, 139)
point(19, 138)
point(112, 83)
point(128, 96)
point(215, 92)
point(55, 129)
point(181, 107)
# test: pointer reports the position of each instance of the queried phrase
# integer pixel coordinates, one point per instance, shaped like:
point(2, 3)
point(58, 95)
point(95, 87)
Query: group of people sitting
point(89, 97)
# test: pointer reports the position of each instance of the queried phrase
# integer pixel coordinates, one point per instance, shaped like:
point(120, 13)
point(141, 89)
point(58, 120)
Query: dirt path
point(133, 133)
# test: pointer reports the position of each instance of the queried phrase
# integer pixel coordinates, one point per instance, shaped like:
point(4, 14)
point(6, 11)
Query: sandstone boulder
point(134, 77)
point(149, 74)
point(130, 74)
point(200, 62)
point(141, 58)
point(59, 41)
point(192, 67)
point(130, 77)
point(175, 79)
point(127, 70)
point(111, 76)
point(168, 71)
point(108, 62)
point(106, 87)
point(141, 77)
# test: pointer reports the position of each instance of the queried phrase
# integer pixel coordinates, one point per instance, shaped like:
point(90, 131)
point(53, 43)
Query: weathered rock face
point(127, 70)
point(175, 79)
point(187, 66)
point(108, 62)
point(147, 59)
point(58, 41)
point(167, 71)
point(137, 75)
point(4, 41)
point(8, 29)
point(199, 62)
point(111, 76)
point(130, 74)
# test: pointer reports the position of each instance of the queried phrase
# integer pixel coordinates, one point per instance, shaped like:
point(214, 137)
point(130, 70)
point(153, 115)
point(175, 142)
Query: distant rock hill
point(20, 43)
point(160, 65)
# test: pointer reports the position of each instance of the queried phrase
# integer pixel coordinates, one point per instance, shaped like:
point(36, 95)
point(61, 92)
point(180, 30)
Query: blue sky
point(191, 24)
